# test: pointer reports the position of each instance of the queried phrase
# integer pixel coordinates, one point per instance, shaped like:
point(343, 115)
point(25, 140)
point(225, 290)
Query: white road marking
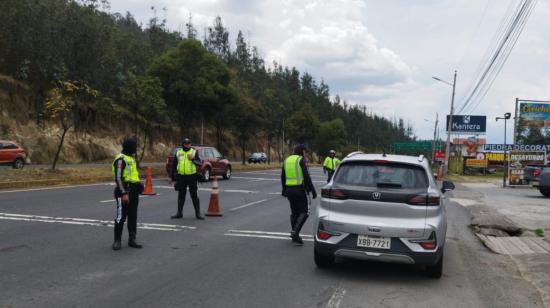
point(52, 188)
point(266, 179)
point(141, 196)
point(89, 222)
point(336, 298)
point(248, 204)
point(265, 233)
point(265, 236)
point(252, 181)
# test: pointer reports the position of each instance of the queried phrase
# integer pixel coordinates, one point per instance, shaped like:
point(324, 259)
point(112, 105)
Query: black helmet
point(299, 149)
point(186, 141)
point(129, 146)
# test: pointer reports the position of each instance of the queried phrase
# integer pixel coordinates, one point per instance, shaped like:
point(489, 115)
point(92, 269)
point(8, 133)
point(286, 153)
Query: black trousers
point(330, 174)
point(299, 207)
point(126, 210)
point(182, 182)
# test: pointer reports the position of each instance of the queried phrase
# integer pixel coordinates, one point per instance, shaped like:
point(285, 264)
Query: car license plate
point(373, 242)
point(535, 183)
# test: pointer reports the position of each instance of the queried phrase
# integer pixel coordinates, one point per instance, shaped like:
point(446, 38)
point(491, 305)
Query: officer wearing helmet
point(330, 164)
point(127, 190)
point(184, 173)
point(297, 183)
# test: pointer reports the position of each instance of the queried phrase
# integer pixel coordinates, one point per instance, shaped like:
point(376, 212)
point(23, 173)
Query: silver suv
point(383, 208)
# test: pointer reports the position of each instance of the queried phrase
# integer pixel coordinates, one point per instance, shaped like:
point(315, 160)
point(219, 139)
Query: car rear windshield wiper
point(388, 184)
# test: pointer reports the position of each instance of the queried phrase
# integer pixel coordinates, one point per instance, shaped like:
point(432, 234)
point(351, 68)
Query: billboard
point(533, 114)
point(518, 161)
point(468, 124)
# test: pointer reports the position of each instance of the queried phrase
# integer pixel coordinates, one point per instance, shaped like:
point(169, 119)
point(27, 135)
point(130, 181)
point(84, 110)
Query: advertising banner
point(518, 161)
point(516, 147)
point(533, 114)
point(468, 124)
point(476, 163)
point(440, 156)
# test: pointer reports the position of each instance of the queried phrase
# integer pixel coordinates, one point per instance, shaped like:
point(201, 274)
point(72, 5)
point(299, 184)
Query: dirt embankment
point(40, 140)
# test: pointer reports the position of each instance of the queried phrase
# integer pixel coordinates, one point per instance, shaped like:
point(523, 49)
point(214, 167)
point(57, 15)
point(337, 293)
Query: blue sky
point(382, 54)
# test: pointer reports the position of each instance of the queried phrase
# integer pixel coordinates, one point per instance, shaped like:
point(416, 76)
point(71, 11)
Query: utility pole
point(449, 125)
point(435, 136)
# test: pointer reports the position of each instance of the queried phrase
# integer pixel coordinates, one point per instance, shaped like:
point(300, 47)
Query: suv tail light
point(427, 244)
point(425, 199)
point(323, 234)
point(537, 172)
point(333, 194)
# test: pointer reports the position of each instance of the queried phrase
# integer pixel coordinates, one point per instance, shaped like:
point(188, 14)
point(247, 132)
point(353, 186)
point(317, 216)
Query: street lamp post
point(449, 125)
point(507, 116)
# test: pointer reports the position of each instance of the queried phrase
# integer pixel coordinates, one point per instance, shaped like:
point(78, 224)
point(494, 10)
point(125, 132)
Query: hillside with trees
point(90, 72)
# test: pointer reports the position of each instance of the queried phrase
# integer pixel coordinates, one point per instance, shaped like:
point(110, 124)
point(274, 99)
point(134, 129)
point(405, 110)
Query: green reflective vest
point(130, 173)
point(186, 165)
point(293, 171)
point(331, 163)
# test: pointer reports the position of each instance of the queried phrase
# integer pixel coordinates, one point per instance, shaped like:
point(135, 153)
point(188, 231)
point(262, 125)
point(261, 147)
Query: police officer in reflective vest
point(330, 164)
point(297, 184)
point(127, 190)
point(184, 173)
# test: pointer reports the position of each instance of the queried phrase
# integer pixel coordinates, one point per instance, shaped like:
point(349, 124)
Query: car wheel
point(206, 174)
point(545, 192)
point(323, 260)
point(436, 270)
point(227, 174)
point(19, 163)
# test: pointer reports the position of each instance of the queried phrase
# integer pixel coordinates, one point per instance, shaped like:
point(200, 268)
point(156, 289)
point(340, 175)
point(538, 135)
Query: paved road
point(243, 259)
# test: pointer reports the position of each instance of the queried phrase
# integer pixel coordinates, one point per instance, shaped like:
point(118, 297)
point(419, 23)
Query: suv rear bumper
point(399, 255)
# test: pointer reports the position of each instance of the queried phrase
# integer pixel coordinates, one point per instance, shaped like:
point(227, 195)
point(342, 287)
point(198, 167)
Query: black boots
point(132, 243)
point(297, 226)
point(178, 215)
point(197, 206)
point(117, 245)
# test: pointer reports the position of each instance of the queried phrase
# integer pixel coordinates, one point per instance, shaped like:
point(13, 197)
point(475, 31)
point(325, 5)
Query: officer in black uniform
point(296, 189)
point(184, 173)
point(127, 190)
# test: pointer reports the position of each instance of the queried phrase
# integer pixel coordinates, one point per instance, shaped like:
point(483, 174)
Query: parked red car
point(12, 154)
point(213, 163)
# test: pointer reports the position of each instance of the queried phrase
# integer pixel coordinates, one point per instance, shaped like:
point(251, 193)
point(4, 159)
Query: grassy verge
point(26, 178)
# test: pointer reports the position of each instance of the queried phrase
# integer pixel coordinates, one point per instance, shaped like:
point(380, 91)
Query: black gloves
point(284, 192)
point(314, 194)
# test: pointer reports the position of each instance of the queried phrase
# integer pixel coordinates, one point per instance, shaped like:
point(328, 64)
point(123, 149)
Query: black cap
point(129, 146)
point(299, 149)
point(186, 141)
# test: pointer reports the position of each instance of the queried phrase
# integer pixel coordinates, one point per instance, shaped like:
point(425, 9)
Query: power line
point(506, 41)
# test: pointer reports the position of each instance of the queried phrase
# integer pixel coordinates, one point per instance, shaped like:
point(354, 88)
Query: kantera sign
point(468, 124)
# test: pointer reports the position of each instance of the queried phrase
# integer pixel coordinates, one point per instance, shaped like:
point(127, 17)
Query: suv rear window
point(372, 174)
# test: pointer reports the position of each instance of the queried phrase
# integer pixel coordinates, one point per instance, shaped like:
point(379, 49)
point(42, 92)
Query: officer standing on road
point(297, 184)
point(184, 172)
point(330, 164)
point(127, 190)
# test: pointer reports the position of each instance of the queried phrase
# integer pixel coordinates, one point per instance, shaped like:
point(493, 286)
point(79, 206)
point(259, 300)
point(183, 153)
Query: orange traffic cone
point(214, 206)
point(149, 183)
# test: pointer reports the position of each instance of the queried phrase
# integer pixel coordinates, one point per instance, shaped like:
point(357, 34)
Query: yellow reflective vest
point(186, 165)
point(293, 171)
point(331, 163)
point(130, 173)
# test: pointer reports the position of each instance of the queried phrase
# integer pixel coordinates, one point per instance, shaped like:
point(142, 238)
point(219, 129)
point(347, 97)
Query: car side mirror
point(446, 186)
